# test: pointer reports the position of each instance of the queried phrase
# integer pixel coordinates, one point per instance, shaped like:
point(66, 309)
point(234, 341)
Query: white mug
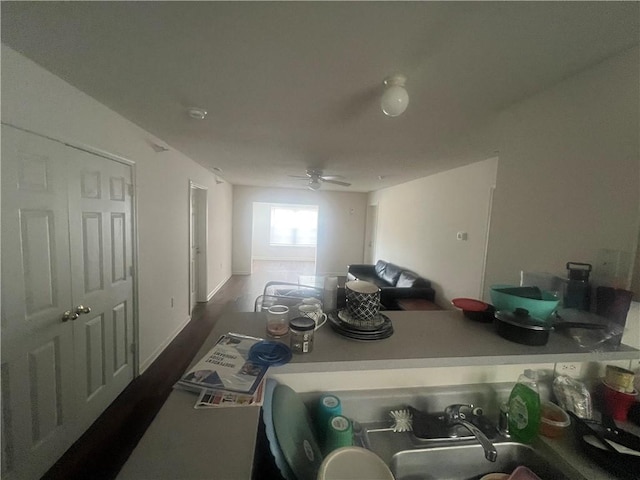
point(314, 312)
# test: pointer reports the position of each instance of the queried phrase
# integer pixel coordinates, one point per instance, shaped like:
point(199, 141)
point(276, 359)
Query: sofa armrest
point(357, 269)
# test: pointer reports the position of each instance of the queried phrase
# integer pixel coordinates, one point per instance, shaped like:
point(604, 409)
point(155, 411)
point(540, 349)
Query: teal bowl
point(541, 309)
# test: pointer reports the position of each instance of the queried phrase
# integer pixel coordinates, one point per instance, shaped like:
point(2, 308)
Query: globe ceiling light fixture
point(314, 184)
point(395, 98)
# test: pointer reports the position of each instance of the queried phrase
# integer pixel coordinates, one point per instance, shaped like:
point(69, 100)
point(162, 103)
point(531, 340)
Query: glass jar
point(301, 330)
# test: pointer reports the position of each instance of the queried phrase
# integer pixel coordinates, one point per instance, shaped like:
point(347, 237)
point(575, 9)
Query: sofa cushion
point(391, 273)
point(411, 279)
point(380, 267)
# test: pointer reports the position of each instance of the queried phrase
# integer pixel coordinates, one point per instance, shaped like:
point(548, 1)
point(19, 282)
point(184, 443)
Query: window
point(294, 226)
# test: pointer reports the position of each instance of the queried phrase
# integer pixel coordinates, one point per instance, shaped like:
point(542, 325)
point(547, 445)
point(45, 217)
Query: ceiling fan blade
point(336, 182)
point(332, 177)
point(304, 177)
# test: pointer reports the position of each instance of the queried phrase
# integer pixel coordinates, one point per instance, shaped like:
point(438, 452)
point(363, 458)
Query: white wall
point(567, 188)
point(341, 219)
point(34, 99)
point(262, 248)
point(419, 220)
point(569, 175)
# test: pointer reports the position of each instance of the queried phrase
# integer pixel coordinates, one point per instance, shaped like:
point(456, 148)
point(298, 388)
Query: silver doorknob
point(69, 315)
point(80, 309)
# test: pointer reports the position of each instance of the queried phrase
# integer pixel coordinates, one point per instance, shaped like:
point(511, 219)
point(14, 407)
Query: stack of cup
point(328, 406)
point(619, 393)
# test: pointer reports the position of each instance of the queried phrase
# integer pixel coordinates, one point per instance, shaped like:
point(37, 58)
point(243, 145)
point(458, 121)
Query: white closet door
point(101, 261)
point(38, 414)
point(66, 247)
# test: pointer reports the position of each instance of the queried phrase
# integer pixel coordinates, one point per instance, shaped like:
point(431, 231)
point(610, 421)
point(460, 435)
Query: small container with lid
point(554, 421)
point(301, 329)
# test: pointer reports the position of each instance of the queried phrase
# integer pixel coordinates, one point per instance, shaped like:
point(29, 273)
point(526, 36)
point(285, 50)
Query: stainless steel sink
point(465, 462)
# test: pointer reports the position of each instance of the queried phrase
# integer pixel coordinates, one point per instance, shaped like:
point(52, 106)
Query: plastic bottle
point(524, 408)
point(330, 299)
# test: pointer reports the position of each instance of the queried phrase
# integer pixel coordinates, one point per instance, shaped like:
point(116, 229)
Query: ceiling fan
point(316, 178)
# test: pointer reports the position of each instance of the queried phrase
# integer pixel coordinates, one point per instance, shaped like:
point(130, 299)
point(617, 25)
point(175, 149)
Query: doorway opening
point(284, 241)
point(197, 244)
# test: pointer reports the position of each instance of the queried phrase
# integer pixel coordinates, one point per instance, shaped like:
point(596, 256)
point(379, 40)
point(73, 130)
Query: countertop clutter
point(183, 442)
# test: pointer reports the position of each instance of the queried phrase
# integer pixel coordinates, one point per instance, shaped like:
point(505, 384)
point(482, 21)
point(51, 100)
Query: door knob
point(69, 315)
point(80, 309)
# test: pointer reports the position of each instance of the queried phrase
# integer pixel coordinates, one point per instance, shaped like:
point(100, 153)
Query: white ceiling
point(291, 85)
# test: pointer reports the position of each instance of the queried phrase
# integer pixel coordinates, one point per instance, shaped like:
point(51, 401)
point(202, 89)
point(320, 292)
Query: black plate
point(344, 329)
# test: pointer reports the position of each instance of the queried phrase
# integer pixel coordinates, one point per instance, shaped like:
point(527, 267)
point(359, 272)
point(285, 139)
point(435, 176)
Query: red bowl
point(475, 309)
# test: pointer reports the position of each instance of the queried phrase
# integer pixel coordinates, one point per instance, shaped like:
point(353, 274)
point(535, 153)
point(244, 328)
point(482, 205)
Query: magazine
point(226, 367)
point(224, 398)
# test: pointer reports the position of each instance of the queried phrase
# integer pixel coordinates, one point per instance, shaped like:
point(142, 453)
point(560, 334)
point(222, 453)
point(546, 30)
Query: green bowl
point(541, 309)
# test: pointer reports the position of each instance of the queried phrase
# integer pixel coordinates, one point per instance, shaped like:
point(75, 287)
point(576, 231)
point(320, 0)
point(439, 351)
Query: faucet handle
point(452, 412)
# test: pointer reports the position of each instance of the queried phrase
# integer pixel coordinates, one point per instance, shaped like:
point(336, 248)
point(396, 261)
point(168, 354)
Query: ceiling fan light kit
point(395, 98)
point(314, 184)
point(315, 179)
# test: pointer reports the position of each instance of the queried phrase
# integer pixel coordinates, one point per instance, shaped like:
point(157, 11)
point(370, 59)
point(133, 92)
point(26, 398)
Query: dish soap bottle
point(524, 408)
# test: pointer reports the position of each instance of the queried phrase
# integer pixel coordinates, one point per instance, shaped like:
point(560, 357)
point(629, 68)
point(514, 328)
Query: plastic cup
point(617, 403)
point(339, 434)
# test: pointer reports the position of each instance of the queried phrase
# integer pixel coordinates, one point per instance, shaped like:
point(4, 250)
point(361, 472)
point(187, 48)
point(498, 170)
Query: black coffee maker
point(578, 291)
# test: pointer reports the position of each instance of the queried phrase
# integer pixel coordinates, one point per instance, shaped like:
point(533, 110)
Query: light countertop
point(186, 443)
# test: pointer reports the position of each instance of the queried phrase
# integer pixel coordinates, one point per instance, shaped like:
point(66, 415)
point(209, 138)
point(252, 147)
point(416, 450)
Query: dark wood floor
point(102, 451)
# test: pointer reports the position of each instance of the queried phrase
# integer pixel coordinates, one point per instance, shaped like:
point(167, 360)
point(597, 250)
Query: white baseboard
point(156, 353)
point(240, 272)
point(217, 288)
point(285, 259)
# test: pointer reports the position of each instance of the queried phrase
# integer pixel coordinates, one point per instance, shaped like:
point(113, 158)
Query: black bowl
point(481, 316)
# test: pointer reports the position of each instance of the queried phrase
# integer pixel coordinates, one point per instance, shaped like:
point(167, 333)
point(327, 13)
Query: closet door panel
point(100, 220)
point(37, 345)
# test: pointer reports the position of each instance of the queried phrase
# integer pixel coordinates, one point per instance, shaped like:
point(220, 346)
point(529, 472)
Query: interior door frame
point(371, 228)
point(134, 227)
point(200, 194)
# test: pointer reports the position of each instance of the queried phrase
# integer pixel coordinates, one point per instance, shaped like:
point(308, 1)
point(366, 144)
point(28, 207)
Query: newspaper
point(224, 398)
point(226, 367)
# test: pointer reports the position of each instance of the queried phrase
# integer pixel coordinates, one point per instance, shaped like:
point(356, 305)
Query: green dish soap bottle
point(524, 408)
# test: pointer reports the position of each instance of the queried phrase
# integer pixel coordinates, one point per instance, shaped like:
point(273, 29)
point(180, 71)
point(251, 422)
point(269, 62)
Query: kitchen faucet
point(453, 416)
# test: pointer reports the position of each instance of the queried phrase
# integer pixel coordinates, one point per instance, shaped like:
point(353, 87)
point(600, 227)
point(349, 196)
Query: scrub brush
point(402, 422)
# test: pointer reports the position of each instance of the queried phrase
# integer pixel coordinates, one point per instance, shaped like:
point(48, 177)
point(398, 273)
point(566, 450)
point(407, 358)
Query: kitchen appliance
point(578, 291)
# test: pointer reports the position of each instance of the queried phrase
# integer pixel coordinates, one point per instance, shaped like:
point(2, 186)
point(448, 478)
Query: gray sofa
point(395, 282)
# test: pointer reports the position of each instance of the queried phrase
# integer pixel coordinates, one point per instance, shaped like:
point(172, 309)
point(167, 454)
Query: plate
point(385, 325)
point(346, 330)
point(374, 324)
point(294, 432)
point(470, 304)
point(274, 446)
